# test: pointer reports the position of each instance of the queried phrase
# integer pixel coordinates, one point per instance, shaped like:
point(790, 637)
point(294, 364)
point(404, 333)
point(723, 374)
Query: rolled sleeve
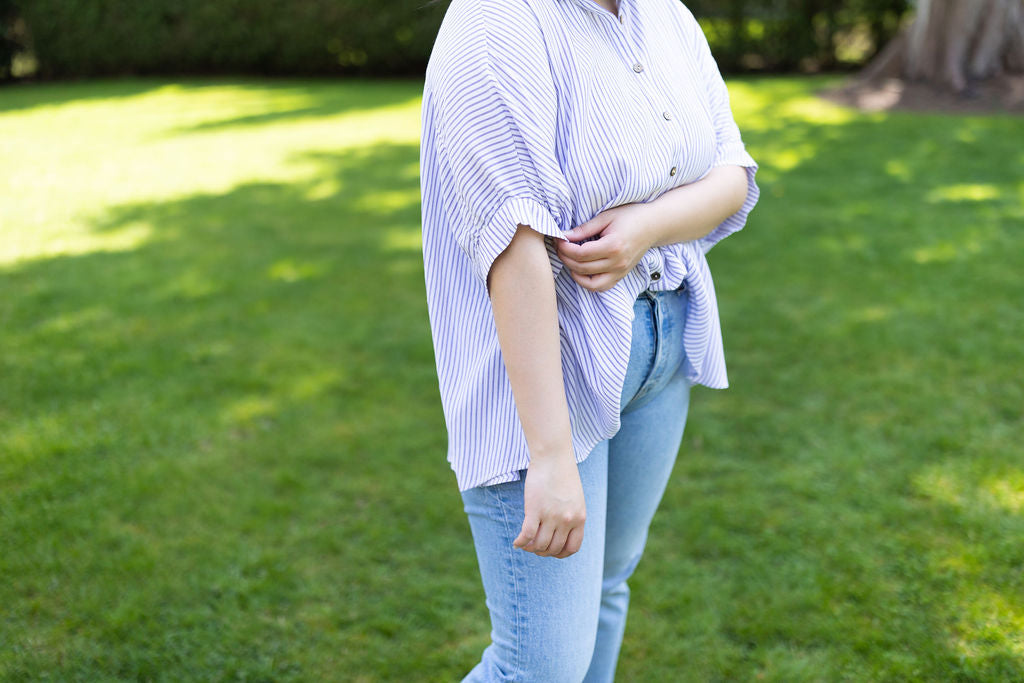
point(498, 233)
point(495, 123)
point(729, 147)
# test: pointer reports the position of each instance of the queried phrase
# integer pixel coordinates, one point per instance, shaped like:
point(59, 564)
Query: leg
point(640, 460)
point(544, 610)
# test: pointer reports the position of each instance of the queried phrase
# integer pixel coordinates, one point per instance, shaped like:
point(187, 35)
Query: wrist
point(551, 452)
point(652, 223)
point(691, 211)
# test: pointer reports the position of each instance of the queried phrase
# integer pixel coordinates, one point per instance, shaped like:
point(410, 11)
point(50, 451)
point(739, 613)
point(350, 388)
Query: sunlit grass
point(222, 449)
point(167, 142)
point(964, 192)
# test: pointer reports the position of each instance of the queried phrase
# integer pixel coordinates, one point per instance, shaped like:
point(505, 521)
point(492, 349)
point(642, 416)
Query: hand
point(555, 508)
point(616, 241)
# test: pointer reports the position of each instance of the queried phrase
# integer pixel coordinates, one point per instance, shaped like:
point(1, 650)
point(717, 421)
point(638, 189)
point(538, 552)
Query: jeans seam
point(517, 619)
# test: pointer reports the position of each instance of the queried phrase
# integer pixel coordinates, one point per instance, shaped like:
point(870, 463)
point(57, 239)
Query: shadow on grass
point(348, 95)
point(225, 436)
point(224, 450)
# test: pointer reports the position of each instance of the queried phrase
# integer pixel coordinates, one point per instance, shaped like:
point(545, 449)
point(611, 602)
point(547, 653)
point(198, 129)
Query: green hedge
point(10, 41)
point(802, 35)
point(361, 37)
point(97, 37)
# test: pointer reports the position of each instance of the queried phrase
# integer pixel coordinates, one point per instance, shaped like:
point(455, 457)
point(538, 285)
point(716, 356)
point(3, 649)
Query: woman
point(578, 159)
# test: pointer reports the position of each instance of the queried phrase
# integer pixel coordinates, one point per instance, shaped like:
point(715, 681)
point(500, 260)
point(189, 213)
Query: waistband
point(651, 294)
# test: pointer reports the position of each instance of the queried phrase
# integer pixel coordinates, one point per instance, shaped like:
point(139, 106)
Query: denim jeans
point(562, 620)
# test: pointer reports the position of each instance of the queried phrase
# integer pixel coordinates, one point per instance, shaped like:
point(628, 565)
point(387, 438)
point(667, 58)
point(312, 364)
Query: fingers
point(527, 533)
point(609, 245)
point(572, 543)
point(589, 229)
point(557, 542)
point(595, 266)
point(541, 541)
point(597, 275)
point(554, 506)
point(595, 283)
point(588, 267)
point(588, 251)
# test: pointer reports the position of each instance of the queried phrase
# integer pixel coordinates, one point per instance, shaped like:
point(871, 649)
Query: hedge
point(100, 37)
point(71, 38)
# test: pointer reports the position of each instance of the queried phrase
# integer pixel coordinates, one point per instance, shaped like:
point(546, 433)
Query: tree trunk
point(955, 43)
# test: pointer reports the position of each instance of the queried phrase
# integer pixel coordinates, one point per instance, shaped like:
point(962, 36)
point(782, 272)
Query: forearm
point(522, 293)
point(691, 211)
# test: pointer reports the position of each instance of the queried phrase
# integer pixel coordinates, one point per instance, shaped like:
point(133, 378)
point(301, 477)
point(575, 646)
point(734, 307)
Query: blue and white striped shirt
point(545, 113)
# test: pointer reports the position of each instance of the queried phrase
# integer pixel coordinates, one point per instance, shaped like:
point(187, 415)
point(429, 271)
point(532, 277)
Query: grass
point(222, 449)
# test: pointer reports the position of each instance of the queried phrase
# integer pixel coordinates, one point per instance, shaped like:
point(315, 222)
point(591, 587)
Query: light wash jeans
point(562, 620)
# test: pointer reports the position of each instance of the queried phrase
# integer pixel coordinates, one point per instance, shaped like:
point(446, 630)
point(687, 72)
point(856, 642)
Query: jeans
point(562, 620)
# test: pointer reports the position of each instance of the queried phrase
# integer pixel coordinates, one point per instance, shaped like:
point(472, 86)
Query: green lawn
point(222, 448)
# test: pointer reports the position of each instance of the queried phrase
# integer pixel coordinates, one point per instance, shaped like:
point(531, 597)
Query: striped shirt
point(545, 113)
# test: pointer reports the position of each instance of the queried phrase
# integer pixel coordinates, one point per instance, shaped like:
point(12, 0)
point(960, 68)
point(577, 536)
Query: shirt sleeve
point(495, 124)
point(729, 148)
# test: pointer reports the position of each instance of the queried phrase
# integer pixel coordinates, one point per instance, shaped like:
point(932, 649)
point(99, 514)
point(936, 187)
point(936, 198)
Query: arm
point(626, 232)
point(706, 210)
point(690, 212)
point(522, 294)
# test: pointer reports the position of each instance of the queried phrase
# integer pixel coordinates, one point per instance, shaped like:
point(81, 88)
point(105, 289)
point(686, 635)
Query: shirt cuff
point(734, 155)
point(497, 234)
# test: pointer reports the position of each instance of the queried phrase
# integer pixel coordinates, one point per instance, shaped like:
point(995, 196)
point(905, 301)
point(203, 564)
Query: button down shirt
point(545, 113)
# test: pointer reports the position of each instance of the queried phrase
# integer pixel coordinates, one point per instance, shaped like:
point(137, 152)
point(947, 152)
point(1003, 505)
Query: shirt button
point(673, 171)
point(667, 115)
point(638, 67)
point(621, 20)
point(655, 275)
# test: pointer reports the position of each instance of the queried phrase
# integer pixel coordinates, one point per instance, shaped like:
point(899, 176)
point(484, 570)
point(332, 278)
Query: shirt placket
point(633, 55)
